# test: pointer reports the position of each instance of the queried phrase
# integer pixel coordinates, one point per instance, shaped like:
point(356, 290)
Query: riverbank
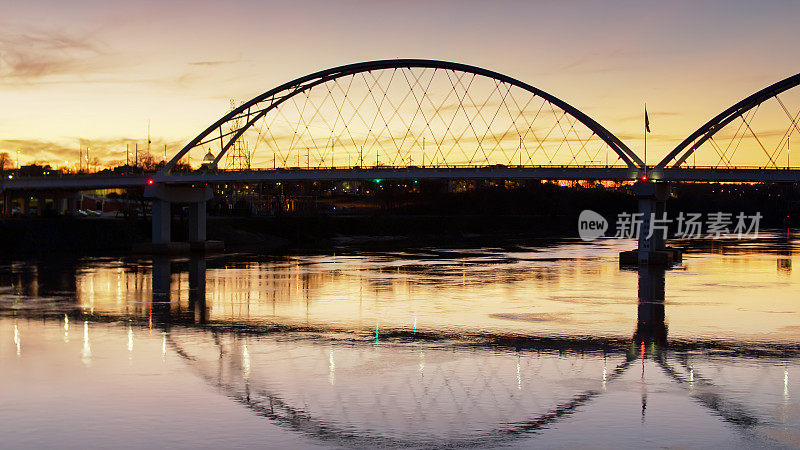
point(452, 219)
point(65, 234)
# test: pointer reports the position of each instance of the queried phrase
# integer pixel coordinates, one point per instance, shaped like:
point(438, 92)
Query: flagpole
point(645, 139)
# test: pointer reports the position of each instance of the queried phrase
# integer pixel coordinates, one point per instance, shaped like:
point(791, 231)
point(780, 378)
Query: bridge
point(424, 119)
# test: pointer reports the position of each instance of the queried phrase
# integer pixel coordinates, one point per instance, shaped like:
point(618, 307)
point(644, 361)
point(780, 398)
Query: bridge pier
point(162, 221)
point(6, 204)
point(163, 196)
point(68, 203)
point(197, 222)
point(652, 249)
point(74, 203)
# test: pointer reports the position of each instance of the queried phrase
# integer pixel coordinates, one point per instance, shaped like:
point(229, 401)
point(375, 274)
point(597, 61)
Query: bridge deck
point(599, 173)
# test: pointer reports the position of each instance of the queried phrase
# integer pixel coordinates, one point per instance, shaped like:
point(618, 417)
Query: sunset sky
point(93, 73)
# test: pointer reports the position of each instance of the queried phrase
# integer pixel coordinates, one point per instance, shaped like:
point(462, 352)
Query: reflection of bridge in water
point(430, 390)
point(426, 392)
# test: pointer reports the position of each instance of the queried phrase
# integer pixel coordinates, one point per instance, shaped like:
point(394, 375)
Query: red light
point(644, 177)
point(150, 181)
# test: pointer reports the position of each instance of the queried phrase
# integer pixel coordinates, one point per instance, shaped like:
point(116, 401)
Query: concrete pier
point(652, 250)
point(163, 197)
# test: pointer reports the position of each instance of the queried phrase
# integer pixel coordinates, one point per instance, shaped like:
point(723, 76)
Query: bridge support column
point(162, 221)
point(197, 229)
point(40, 201)
point(163, 196)
point(197, 222)
point(74, 204)
point(651, 198)
point(652, 250)
point(6, 204)
point(63, 204)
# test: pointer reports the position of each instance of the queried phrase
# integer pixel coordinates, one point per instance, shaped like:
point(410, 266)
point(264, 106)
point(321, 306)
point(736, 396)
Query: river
point(537, 342)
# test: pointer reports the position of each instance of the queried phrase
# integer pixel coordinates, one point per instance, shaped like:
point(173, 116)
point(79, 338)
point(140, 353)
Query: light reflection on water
point(561, 290)
point(546, 345)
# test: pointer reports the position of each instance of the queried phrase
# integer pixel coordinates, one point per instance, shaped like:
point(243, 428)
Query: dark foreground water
point(542, 344)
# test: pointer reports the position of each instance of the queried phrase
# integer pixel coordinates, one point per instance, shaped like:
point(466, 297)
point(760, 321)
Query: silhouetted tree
point(149, 164)
point(5, 162)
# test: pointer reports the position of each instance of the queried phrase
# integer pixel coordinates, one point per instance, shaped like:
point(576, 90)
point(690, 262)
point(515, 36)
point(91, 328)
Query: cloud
point(107, 151)
point(211, 63)
point(33, 56)
point(595, 62)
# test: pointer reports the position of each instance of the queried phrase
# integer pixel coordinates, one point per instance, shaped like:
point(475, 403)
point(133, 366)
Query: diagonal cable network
point(402, 116)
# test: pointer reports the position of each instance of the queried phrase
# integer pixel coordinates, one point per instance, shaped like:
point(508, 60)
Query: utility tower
point(238, 156)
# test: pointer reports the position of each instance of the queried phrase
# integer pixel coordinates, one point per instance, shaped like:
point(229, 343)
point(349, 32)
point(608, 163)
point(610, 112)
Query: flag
point(646, 120)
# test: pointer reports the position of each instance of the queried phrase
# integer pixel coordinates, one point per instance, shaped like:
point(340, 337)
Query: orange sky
point(93, 73)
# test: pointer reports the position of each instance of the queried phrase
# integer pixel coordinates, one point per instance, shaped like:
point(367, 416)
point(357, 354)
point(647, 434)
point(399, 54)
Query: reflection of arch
point(689, 145)
point(298, 418)
point(246, 115)
point(731, 411)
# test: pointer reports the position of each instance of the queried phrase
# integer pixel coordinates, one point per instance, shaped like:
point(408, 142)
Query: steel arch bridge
point(425, 119)
point(373, 120)
point(406, 113)
point(752, 136)
point(415, 118)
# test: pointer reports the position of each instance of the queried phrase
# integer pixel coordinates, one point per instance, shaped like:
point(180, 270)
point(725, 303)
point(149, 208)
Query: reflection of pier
point(162, 290)
point(651, 330)
point(651, 325)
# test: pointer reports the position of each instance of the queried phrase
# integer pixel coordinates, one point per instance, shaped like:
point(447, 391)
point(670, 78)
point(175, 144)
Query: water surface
point(532, 343)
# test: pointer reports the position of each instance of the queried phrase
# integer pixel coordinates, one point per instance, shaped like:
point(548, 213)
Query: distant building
point(35, 170)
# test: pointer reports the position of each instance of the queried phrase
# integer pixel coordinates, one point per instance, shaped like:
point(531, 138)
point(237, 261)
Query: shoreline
point(118, 235)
